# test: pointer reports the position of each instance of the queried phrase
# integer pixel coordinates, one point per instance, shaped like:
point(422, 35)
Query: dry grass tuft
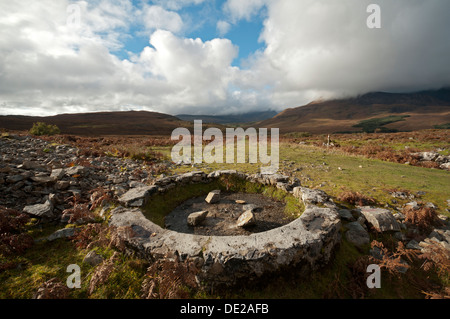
point(52, 289)
point(357, 199)
point(422, 217)
point(102, 273)
point(13, 239)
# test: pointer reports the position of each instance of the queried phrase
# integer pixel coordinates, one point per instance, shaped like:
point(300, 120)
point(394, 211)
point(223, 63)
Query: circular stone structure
point(307, 242)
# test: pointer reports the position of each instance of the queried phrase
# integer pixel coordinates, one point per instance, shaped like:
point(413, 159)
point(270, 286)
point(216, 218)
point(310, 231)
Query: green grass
point(445, 126)
point(47, 260)
point(40, 263)
point(370, 126)
point(371, 177)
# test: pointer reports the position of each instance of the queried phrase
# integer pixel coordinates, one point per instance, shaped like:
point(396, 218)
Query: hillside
point(414, 111)
point(102, 123)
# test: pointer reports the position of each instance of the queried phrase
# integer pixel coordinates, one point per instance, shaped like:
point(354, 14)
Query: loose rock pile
point(38, 177)
point(364, 220)
point(443, 161)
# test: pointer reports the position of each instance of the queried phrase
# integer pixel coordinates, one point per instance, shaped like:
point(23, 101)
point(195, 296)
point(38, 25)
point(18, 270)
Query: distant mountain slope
point(230, 119)
point(102, 123)
point(425, 109)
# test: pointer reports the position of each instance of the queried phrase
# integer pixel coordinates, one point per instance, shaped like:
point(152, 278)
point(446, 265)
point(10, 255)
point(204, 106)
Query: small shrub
point(393, 261)
point(356, 198)
point(13, 240)
point(437, 258)
point(41, 128)
point(79, 213)
point(169, 279)
point(52, 289)
point(92, 235)
point(100, 235)
point(99, 197)
point(102, 273)
point(422, 217)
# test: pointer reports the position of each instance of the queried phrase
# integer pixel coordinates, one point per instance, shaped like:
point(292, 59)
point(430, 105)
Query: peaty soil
point(222, 216)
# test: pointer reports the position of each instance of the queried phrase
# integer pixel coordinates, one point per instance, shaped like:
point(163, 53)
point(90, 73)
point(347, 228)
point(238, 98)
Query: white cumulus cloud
point(156, 17)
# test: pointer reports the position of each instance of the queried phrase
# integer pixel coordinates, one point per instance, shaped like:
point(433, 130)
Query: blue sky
point(213, 56)
point(202, 22)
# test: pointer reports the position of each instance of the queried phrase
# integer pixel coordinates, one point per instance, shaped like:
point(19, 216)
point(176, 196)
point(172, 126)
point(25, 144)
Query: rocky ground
point(443, 162)
point(41, 178)
point(44, 179)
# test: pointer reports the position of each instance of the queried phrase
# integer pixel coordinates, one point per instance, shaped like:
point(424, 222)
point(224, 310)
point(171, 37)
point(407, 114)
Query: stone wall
point(308, 242)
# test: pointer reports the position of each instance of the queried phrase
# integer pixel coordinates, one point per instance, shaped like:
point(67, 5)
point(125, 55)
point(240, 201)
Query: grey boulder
point(40, 210)
point(381, 219)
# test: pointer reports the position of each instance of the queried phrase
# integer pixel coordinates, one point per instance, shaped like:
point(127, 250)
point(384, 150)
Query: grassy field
point(336, 172)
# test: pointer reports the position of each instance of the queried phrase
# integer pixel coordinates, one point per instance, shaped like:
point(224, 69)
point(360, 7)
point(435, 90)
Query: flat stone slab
point(58, 173)
point(62, 233)
point(40, 210)
point(381, 219)
point(75, 170)
point(137, 197)
point(43, 179)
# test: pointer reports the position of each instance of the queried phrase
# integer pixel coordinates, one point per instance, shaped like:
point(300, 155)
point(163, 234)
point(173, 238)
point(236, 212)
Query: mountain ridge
point(421, 110)
point(101, 123)
point(416, 111)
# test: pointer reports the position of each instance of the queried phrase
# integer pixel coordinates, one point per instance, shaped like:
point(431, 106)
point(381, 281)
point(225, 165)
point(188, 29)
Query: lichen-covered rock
point(76, 170)
point(310, 196)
